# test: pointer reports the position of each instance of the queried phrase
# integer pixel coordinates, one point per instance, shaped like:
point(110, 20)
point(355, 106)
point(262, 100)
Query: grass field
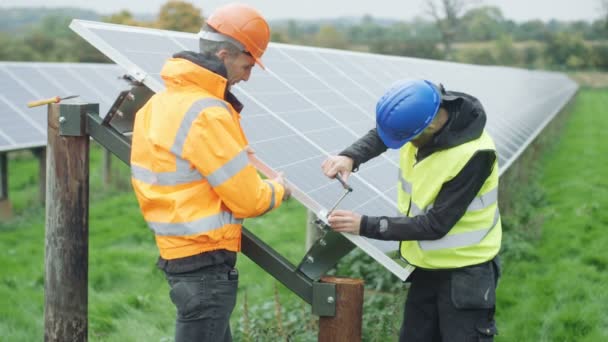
point(553, 289)
point(128, 296)
point(558, 289)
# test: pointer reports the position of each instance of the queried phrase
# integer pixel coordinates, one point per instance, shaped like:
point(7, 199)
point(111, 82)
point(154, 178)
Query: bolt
point(310, 259)
point(130, 97)
point(62, 119)
point(120, 113)
point(322, 242)
point(330, 300)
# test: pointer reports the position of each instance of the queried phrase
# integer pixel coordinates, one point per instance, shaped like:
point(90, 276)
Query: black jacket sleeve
point(450, 205)
point(364, 149)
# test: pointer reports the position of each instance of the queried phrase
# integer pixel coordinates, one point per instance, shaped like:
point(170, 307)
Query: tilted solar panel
point(21, 82)
point(314, 102)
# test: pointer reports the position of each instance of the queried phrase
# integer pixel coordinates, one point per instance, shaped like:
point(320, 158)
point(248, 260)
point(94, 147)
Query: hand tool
point(55, 99)
point(347, 190)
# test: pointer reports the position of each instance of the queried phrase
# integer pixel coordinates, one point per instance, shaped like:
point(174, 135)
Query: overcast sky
point(518, 10)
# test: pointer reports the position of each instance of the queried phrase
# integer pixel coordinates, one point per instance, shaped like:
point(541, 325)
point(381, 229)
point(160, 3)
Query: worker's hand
point(345, 221)
point(337, 164)
point(280, 178)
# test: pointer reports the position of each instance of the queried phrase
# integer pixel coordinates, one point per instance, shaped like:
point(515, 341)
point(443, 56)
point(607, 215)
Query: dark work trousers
point(204, 300)
point(451, 305)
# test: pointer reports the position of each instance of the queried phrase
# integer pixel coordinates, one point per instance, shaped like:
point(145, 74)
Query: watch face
point(383, 225)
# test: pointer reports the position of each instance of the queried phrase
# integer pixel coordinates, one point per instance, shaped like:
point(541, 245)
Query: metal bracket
point(72, 118)
point(325, 252)
point(324, 299)
point(121, 115)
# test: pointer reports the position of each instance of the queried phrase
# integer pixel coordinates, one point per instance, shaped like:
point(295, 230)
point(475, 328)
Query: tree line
point(452, 30)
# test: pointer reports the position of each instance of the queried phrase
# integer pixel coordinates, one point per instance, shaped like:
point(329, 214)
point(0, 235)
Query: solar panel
point(314, 102)
point(21, 82)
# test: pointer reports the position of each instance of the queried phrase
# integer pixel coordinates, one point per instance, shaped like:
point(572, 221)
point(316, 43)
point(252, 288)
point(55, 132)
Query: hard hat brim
point(390, 142)
point(258, 61)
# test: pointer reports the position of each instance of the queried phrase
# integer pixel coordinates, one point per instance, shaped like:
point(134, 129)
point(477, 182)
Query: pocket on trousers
point(473, 287)
point(486, 331)
point(186, 296)
point(223, 297)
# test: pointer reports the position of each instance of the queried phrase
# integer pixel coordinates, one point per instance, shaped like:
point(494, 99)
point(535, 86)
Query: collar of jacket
point(189, 68)
point(466, 122)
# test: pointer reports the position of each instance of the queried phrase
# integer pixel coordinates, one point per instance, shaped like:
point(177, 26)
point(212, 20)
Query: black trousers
point(204, 300)
point(451, 305)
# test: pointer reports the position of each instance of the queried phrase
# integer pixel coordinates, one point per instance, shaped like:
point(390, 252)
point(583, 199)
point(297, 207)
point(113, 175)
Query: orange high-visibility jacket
point(189, 167)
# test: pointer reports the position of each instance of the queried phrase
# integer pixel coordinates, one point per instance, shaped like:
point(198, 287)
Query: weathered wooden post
point(345, 326)
point(5, 204)
point(67, 227)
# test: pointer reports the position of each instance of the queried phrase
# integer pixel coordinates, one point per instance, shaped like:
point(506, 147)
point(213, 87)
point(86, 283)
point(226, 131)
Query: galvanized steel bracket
point(73, 118)
point(324, 254)
point(324, 299)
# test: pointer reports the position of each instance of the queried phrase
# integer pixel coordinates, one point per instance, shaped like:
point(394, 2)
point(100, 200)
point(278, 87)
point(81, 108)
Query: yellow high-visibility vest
point(477, 235)
point(189, 165)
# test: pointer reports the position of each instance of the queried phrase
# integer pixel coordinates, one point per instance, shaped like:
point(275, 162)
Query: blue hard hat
point(405, 110)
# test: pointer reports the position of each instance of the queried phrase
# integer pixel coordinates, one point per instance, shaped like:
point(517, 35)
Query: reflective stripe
point(415, 211)
point(218, 37)
point(484, 201)
point(231, 168)
point(478, 203)
point(405, 185)
point(199, 226)
point(459, 240)
point(183, 174)
point(272, 198)
point(191, 115)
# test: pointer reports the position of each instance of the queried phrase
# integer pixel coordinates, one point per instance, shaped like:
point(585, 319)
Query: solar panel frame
point(291, 75)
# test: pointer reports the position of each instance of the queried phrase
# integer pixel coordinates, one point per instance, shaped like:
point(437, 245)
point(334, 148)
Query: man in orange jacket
point(191, 172)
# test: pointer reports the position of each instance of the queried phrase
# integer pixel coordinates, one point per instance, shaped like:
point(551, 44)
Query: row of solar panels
point(21, 82)
point(311, 103)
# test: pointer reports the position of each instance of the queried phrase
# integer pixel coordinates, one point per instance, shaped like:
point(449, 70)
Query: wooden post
point(67, 233)
point(5, 204)
point(345, 326)
point(40, 153)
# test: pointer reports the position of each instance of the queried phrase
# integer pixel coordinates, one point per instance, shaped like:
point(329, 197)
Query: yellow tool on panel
point(55, 99)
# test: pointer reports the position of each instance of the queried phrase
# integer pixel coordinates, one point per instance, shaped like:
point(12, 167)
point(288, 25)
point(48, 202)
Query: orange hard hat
point(245, 25)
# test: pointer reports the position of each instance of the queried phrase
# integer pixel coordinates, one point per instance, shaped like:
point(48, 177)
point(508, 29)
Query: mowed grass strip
point(559, 292)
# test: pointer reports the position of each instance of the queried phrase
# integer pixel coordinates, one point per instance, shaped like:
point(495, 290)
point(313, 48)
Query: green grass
point(128, 296)
point(554, 260)
point(558, 290)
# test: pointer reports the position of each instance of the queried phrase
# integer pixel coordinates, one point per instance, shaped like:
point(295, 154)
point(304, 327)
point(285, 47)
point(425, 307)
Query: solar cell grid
point(21, 82)
point(313, 102)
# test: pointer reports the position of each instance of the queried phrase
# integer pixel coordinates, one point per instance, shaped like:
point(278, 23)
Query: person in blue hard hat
point(449, 227)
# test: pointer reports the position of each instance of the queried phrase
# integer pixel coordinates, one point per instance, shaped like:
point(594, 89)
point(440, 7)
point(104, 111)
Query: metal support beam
point(108, 137)
point(316, 294)
point(276, 265)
